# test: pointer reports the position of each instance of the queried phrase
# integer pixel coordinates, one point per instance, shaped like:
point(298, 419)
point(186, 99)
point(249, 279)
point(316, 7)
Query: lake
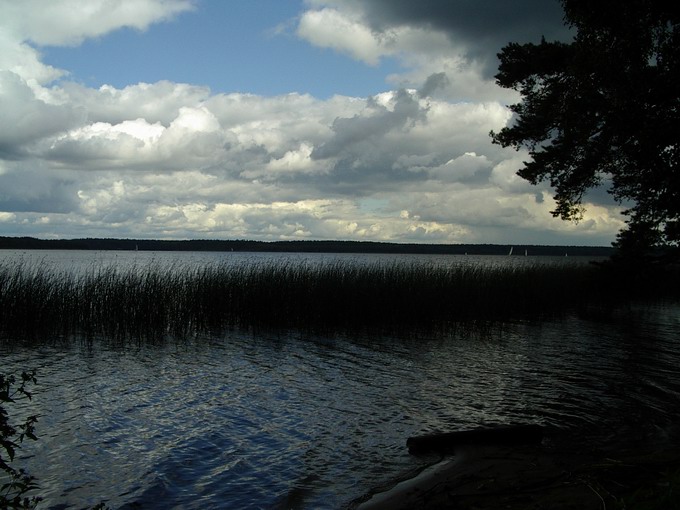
point(293, 420)
point(75, 261)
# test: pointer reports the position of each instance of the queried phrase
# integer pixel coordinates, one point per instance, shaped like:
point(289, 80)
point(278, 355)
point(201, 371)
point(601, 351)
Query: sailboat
point(511, 250)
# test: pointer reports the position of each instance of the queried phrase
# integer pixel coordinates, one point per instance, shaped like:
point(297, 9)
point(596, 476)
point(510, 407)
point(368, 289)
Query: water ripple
point(293, 421)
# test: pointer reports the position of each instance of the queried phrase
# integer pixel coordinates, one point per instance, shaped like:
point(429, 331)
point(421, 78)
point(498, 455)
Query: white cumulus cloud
point(70, 22)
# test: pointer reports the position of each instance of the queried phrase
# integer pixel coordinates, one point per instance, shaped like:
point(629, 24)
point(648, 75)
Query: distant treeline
point(31, 243)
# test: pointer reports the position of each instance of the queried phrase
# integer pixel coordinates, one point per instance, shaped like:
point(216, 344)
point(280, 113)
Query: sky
point(272, 120)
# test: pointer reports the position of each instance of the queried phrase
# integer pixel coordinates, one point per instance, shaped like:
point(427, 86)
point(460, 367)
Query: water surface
point(286, 420)
point(77, 261)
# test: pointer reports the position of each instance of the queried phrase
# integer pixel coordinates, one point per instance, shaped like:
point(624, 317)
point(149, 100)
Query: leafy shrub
point(16, 482)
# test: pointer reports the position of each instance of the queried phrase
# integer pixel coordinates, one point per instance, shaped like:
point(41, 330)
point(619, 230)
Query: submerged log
point(448, 441)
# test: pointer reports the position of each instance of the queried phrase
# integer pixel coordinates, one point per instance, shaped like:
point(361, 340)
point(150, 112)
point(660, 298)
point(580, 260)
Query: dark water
point(292, 421)
point(296, 422)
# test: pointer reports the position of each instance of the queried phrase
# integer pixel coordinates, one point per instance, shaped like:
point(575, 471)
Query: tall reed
point(155, 300)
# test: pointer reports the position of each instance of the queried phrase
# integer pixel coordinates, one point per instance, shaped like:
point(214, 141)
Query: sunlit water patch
point(291, 421)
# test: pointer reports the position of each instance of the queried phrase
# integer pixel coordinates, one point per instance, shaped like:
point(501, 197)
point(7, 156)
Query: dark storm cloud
point(483, 26)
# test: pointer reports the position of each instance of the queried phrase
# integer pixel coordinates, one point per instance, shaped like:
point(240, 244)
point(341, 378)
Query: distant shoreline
point(31, 243)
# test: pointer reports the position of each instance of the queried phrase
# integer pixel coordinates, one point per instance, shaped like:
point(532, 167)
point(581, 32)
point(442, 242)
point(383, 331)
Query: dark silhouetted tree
point(604, 109)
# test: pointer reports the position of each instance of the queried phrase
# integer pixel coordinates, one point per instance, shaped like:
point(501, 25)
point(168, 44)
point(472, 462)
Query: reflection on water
point(266, 421)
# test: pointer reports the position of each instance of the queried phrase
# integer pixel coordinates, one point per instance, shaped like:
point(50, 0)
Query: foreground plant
point(16, 482)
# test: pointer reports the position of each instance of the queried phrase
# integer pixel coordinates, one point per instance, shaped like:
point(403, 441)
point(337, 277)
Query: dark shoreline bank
point(547, 475)
point(30, 243)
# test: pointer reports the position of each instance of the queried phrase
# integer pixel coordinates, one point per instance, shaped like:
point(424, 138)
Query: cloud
point(328, 28)
point(28, 23)
point(481, 28)
point(173, 160)
point(466, 168)
point(24, 61)
point(27, 119)
point(70, 22)
point(293, 161)
point(383, 114)
point(459, 37)
point(504, 175)
point(154, 102)
point(432, 83)
point(29, 187)
point(192, 139)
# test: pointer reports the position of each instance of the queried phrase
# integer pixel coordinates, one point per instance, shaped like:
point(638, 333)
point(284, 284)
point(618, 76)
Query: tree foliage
point(16, 482)
point(604, 109)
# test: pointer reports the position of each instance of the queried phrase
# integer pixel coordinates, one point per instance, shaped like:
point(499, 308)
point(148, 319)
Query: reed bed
point(158, 301)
